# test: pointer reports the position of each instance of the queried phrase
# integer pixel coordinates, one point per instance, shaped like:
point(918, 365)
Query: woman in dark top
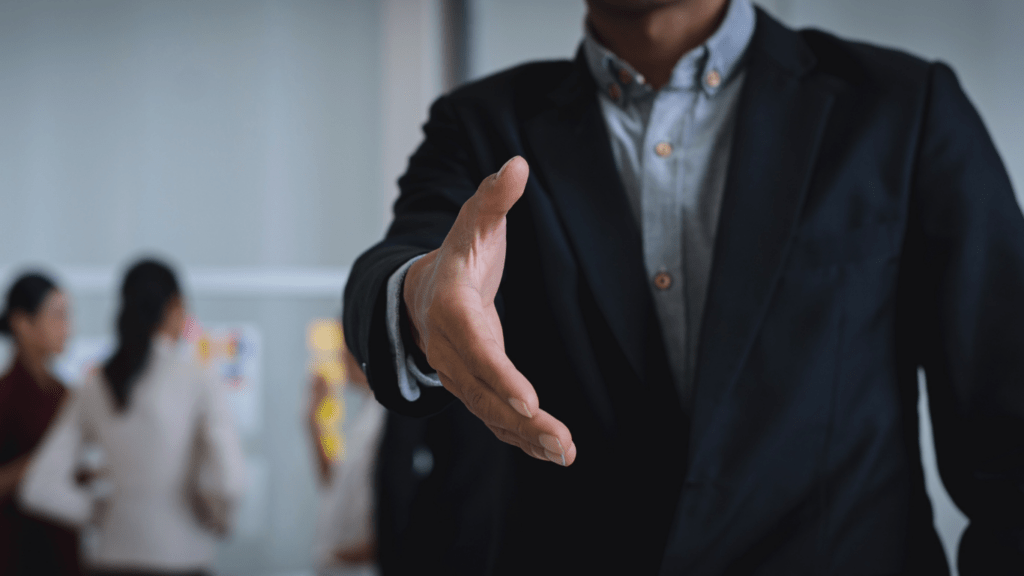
point(36, 317)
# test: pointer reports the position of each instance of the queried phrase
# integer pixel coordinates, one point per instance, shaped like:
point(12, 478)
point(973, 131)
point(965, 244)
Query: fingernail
point(556, 458)
point(503, 166)
point(520, 407)
point(551, 443)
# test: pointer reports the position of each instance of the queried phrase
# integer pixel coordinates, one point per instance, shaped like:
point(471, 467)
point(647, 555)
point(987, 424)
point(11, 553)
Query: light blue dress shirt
point(671, 148)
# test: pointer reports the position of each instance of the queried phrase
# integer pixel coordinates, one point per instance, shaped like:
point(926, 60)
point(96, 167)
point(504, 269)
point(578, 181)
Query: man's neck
point(653, 39)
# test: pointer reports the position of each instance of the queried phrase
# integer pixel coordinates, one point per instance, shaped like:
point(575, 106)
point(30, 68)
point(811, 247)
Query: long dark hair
point(148, 287)
point(26, 295)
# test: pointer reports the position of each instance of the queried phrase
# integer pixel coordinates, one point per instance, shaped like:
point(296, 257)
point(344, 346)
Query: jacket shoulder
point(864, 65)
point(520, 84)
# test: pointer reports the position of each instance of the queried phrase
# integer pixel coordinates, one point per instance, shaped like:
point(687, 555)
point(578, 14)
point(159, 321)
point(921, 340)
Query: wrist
point(411, 290)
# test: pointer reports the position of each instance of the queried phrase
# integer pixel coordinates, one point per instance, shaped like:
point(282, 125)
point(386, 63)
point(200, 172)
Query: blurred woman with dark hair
point(35, 315)
point(174, 463)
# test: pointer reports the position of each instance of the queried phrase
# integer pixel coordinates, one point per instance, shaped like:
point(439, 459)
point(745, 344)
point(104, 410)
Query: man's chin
point(632, 5)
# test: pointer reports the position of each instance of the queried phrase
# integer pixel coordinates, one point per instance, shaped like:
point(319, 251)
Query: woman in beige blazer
point(174, 464)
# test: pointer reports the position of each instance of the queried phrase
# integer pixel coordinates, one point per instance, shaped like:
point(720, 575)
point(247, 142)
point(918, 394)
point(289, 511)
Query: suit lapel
point(781, 118)
point(572, 158)
point(780, 122)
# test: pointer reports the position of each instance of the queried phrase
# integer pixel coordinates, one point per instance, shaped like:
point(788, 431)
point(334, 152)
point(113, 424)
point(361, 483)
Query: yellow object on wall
point(326, 343)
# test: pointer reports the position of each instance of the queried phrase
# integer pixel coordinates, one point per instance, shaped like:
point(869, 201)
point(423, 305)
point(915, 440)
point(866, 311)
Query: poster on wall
point(233, 351)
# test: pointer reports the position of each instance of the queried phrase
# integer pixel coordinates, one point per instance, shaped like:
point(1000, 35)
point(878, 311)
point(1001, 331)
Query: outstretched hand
point(449, 294)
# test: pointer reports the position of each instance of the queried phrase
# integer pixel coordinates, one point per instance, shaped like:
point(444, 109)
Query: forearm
point(366, 330)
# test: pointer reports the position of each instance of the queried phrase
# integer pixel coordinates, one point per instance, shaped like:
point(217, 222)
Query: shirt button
point(713, 78)
point(662, 280)
point(624, 76)
point(614, 92)
point(663, 149)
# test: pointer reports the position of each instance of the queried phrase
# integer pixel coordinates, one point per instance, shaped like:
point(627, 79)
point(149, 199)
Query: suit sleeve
point(439, 179)
point(965, 247)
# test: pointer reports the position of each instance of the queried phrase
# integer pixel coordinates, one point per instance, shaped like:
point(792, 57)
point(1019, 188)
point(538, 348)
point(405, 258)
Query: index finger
point(485, 359)
point(537, 434)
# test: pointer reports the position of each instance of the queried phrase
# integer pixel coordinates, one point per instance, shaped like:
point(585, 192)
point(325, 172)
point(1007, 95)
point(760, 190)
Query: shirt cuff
point(410, 377)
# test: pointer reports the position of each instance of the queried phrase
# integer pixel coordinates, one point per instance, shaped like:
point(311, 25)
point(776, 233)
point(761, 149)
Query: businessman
point(688, 280)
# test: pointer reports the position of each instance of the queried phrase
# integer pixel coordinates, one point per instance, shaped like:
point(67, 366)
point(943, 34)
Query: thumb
point(499, 192)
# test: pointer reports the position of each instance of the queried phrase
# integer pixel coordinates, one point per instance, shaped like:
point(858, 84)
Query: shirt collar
point(707, 67)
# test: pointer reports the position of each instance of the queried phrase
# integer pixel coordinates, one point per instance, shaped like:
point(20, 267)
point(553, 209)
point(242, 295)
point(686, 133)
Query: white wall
point(504, 33)
point(239, 138)
point(411, 67)
point(229, 131)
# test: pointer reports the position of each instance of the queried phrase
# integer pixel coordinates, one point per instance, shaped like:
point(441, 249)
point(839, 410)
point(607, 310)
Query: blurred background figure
point(397, 495)
point(36, 317)
point(173, 461)
point(346, 538)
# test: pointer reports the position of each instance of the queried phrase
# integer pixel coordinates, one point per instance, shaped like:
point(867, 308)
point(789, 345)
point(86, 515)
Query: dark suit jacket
point(437, 485)
point(868, 228)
